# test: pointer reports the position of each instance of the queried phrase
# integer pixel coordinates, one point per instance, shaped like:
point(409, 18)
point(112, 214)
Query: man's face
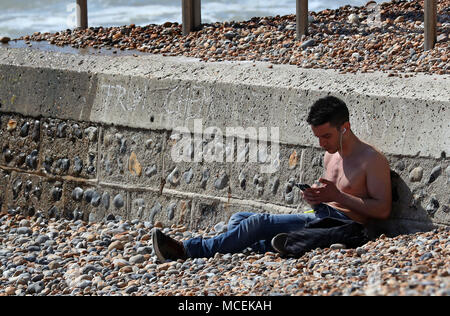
point(328, 137)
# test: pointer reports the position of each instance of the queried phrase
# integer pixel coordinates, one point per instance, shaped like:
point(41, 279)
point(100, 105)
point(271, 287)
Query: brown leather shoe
point(167, 248)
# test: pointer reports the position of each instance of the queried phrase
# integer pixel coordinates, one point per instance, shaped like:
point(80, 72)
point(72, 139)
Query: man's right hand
point(305, 198)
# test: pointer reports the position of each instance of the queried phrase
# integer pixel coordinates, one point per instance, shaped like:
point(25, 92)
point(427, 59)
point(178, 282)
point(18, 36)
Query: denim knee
point(237, 218)
point(256, 222)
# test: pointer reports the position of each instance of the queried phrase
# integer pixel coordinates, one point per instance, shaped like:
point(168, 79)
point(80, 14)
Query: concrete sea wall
point(90, 137)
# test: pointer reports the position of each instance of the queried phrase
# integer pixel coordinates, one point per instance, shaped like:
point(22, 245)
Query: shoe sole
point(156, 248)
point(272, 243)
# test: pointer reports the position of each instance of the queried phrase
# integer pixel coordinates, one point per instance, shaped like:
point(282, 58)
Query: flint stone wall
point(91, 137)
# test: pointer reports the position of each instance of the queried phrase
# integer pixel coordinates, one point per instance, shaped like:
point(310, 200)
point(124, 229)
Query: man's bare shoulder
point(373, 156)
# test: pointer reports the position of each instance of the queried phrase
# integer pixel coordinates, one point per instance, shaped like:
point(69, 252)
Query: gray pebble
point(131, 289)
point(24, 231)
point(77, 194)
point(35, 288)
point(42, 239)
point(289, 197)
point(61, 131)
point(24, 129)
point(137, 259)
point(56, 193)
point(144, 250)
point(155, 210)
point(90, 267)
point(435, 173)
point(118, 201)
point(105, 200)
point(187, 176)
point(88, 195)
point(242, 180)
point(64, 164)
point(24, 223)
point(230, 35)
point(123, 146)
point(432, 206)
point(275, 183)
point(221, 182)
point(174, 177)
point(36, 134)
point(78, 166)
point(171, 210)
point(91, 132)
point(77, 131)
point(308, 43)
point(151, 171)
point(205, 177)
point(96, 199)
point(31, 160)
point(84, 284)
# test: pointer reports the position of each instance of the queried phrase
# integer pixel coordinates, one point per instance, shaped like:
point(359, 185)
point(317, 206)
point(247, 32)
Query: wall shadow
point(407, 216)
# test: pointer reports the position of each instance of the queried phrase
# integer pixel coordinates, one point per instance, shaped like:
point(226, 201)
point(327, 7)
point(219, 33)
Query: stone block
point(93, 203)
point(29, 194)
point(47, 92)
point(69, 148)
point(131, 156)
point(4, 180)
point(420, 197)
point(20, 142)
point(167, 209)
point(190, 165)
point(292, 165)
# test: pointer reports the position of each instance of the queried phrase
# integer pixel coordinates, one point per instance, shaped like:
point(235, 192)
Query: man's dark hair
point(329, 109)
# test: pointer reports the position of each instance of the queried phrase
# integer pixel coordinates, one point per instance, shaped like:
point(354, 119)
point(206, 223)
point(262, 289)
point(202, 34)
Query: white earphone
point(340, 138)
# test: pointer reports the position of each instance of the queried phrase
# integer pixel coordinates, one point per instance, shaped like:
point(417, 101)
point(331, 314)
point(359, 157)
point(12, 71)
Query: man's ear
point(345, 127)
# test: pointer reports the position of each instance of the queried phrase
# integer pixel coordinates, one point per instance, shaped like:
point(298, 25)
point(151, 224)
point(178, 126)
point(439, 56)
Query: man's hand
point(328, 192)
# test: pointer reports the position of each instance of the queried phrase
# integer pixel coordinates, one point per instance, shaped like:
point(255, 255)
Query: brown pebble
point(116, 245)
point(10, 290)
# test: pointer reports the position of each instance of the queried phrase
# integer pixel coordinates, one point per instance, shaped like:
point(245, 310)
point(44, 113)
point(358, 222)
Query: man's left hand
point(328, 192)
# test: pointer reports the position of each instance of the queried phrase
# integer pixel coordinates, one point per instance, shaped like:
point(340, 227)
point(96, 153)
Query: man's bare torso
point(349, 175)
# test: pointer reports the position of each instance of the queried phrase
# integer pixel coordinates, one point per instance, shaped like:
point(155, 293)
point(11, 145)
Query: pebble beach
point(387, 38)
point(41, 256)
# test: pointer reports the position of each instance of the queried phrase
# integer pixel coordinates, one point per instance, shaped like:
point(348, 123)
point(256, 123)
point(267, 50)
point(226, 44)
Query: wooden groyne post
point(430, 23)
point(302, 18)
point(82, 14)
point(192, 17)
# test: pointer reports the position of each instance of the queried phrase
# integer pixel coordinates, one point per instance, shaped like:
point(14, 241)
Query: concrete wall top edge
point(421, 86)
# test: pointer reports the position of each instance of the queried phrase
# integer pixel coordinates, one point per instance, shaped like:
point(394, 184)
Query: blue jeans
point(256, 231)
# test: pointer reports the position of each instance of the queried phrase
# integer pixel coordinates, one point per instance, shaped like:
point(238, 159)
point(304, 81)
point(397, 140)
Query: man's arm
point(378, 181)
point(379, 188)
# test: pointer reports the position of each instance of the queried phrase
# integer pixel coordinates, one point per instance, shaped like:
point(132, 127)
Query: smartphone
point(302, 186)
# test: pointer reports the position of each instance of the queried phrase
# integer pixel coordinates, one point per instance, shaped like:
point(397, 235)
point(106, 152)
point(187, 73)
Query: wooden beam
point(430, 22)
point(82, 14)
point(302, 18)
point(192, 18)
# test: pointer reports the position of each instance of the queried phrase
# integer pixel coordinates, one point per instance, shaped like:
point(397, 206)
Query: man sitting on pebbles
point(356, 186)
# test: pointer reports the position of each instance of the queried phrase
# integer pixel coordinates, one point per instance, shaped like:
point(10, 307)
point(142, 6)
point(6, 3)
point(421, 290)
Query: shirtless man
point(357, 176)
point(356, 186)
